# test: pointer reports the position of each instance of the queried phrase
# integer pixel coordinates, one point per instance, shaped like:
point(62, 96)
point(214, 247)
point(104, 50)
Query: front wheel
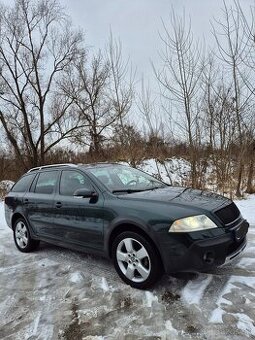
point(22, 238)
point(136, 260)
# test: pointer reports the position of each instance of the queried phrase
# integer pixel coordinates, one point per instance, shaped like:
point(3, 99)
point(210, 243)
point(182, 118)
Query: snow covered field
point(55, 293)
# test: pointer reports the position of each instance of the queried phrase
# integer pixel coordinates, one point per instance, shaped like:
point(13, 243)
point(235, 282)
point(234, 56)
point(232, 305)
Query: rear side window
point(46, 182)
point(23, 184)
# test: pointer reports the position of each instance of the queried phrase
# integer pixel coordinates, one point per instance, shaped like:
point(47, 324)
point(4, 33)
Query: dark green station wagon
point(145, 226)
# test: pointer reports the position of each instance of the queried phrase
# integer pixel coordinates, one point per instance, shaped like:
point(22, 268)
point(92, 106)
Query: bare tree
point(248, 24)
point(102, 89)
point(232, 43)
point(150, 109)
point(88, 88)
point(180, 80)
point(250, 189)
point(36, 44)
point(219, 123)
point(122, 85)
point(129, 143)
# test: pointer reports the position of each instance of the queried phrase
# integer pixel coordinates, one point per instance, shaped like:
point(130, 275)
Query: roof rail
point(51, 166)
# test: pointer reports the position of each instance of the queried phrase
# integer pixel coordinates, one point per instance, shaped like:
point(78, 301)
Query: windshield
point(120, 178)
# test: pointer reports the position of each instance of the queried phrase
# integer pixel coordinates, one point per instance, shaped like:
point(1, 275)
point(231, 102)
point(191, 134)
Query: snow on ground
point(247, 208)
point(194, 290)
point(3, 226)
point(56, 293)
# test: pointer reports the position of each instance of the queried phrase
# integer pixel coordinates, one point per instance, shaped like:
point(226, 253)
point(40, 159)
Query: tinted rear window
point(23, 184)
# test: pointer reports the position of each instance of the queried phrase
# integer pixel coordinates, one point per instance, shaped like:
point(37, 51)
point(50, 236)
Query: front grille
point(228, 214)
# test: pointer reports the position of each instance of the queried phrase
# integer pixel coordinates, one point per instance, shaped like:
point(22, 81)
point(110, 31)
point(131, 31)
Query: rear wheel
point(22, 238)
point(136, 260)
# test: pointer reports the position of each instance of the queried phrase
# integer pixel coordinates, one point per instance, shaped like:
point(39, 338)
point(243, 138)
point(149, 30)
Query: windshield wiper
point(129, 191)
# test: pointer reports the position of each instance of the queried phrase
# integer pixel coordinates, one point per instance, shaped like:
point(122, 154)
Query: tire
point(22, 238)
point(136, 260)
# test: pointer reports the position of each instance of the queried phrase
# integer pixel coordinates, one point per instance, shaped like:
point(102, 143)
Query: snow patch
point(95, 337)
point(2, 217)
point(234, 283)
point(247, 206)
point(46, 263)
point(76, 277)
point(245, 324)
point(104, 285)
point(169, 328)
point(37, 319)
point(150, 298)
point(194, 290)
point(246, 263)
point(216, 316)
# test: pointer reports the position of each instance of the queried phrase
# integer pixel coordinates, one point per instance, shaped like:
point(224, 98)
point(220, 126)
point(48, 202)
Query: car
point(145, 226)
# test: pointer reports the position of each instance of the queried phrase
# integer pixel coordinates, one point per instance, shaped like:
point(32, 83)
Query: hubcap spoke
point(130, 272)
point(141, 253)
point(128, 245)
point(121, 256)
point(142, 271)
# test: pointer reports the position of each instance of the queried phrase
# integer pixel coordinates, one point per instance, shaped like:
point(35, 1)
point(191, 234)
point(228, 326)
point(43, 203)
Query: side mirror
point(85, 193)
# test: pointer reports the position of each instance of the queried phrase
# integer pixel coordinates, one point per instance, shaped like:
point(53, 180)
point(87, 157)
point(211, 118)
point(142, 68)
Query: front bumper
point(203, 252)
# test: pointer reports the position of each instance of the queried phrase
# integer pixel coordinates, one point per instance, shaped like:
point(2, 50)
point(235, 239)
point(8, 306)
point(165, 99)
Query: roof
point(71, 165)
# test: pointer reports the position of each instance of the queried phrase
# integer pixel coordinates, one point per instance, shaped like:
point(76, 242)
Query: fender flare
point(118, 224)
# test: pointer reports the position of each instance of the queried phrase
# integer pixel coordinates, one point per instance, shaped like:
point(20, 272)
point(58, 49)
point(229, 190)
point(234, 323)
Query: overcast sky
point(137, 23)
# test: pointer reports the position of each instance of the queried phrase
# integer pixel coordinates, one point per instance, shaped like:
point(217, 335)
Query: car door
point(39, 202)
point(78, 220)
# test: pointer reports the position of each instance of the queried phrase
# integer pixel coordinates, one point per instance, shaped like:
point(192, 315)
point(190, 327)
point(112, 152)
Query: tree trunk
point(239, 179)
point(250, 188)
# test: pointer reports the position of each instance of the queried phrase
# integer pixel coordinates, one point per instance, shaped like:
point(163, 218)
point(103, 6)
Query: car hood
point(182, 196)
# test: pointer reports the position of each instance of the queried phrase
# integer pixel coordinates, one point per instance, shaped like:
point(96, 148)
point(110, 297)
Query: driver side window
point(71, 181)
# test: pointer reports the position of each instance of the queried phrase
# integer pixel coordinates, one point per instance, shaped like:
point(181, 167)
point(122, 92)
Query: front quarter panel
point(154, 218)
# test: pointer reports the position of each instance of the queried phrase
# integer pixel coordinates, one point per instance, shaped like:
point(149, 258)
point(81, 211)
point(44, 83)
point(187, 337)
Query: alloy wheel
point(133, 260)
point(21, 235)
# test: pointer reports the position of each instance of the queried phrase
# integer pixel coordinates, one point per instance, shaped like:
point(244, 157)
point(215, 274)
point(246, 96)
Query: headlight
point(192, 223)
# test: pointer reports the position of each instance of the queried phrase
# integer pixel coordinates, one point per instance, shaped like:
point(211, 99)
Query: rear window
point(46, 182)
point(24, 183)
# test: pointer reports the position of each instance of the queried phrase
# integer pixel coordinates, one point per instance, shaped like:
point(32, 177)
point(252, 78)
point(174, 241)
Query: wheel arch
point(134, 228)
point(15, 217)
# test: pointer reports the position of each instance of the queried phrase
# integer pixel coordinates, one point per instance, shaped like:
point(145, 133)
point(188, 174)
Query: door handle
point(58, 205)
